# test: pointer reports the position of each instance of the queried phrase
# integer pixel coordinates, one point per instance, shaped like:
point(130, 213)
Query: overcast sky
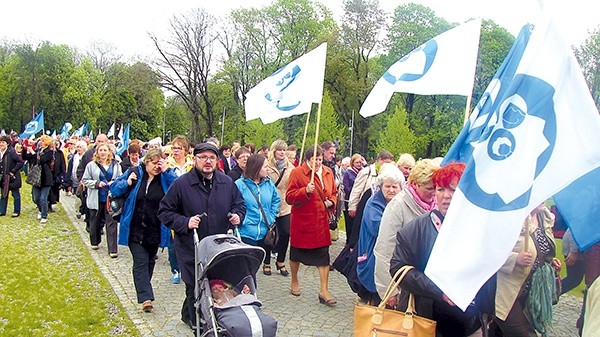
point(126, 23)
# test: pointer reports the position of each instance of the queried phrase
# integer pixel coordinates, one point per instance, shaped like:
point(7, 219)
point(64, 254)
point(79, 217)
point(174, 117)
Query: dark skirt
point(310, 257)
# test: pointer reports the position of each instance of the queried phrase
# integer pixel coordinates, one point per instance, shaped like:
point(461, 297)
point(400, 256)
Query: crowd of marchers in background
point(392, 209)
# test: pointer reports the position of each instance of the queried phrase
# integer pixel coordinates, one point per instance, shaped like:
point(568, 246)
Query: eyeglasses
point(206, 157)
point(243, 157)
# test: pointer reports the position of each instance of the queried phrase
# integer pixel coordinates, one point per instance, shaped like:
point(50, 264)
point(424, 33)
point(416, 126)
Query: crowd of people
point(392, 210)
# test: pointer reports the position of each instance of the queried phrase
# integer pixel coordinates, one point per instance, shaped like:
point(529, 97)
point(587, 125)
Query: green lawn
point(49, 284)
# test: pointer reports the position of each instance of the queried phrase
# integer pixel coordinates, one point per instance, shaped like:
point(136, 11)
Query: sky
point(127, 23)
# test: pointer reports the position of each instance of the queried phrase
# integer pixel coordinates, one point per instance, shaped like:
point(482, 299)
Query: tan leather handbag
point(381, 322)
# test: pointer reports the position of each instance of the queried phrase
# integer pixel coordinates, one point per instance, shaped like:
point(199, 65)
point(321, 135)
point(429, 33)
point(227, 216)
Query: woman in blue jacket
point(141, 230)
point(255, 185)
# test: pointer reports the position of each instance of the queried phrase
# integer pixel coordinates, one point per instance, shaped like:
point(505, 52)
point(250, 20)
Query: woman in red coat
point(309, 231)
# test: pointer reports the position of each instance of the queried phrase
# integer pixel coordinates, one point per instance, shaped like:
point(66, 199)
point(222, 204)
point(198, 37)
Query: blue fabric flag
point(534, 132)
point(34, 126)
point(64, 131)
point(124, 143)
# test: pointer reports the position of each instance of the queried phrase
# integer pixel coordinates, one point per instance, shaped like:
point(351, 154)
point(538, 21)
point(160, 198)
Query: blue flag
point(80, 132)
point(124, 143)
point(34, 126)
point(64, 131)
point(534, 132)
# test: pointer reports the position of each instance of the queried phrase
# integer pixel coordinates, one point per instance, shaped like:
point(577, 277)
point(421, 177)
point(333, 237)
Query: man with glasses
point(204, 189)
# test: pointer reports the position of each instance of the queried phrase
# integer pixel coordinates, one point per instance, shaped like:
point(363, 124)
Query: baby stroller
point(227, 259)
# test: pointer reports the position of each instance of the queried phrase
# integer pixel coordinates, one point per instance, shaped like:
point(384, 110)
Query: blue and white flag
point(64, 131)
point(34, 126)
point(80, 132)
point(120, 134)
point(444, 65)
point(535, 131)
point(289, 91)
point(111, 131)
point(91, 135)
point(124, 143)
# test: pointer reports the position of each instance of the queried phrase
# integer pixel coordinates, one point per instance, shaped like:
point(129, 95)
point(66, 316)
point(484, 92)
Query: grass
point(49, 284)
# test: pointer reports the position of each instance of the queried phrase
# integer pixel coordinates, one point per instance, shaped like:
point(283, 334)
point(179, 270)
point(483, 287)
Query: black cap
point(205, 147)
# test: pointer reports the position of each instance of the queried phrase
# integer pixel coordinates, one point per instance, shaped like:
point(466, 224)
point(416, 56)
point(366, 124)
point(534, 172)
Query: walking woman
point(309, 230)
point(11, 165)
point(43, 157)
point(144, 185)
point(262, 205)
point(279, 169)
point(99, 174)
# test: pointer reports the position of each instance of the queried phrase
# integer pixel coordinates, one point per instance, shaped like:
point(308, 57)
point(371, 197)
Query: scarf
point(280, 164)
point(426, 206)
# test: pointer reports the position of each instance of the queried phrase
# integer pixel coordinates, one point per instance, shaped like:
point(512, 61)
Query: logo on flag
point(34, 126)
point(414, 65)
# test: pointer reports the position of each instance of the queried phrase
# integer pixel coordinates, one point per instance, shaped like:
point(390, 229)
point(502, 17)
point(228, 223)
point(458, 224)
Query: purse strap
point(280, 177)
point(398, 277)
point(258, 202)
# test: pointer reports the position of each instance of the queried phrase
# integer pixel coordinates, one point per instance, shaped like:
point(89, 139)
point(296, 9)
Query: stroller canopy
point(225, 257)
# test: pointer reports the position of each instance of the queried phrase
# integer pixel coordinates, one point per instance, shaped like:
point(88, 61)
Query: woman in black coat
point(44, 156)
point(11, 165)
point(59, 171)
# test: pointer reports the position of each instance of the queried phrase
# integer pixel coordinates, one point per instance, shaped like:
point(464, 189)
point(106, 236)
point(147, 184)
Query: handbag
point(378, 321)
point(272, 236)
point(34, 177)
point(331, 217)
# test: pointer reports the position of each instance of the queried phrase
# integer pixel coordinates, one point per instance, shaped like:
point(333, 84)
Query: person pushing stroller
point(203, 189)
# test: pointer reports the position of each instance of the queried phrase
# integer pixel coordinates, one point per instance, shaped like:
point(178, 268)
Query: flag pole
point(467, 108)
point(312, 175)
point(304, 137)
point(526, 242)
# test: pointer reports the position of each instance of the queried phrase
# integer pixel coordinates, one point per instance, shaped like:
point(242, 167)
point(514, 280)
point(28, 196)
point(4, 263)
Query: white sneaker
point(43, 220)
point(39, 216)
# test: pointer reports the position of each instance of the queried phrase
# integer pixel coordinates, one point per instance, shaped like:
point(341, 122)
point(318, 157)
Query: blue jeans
point(17, 202)
point(172, 256)
point(40, 198)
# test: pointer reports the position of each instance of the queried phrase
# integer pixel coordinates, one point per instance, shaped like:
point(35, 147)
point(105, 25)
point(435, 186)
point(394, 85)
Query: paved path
point(297, 316)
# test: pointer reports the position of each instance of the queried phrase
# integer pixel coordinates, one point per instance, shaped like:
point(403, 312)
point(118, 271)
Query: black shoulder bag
point(114, 205)
point(333, 220)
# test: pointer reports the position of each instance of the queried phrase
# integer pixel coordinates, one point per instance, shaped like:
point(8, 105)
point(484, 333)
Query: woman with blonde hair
point(279, 169)
point(99, 174)
point(416, 198)
point(348, 182)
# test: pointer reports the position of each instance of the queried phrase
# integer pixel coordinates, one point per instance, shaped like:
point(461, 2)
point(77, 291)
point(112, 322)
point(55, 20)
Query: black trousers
point(143, 268)
point(283, 227)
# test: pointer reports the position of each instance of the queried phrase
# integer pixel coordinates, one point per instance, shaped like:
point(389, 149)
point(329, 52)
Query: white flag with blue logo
point(111, 131)
point(64, 131)
point(124, 143)
point(444, 65)
point(34, 126)
point(535, 131)
point(289, 91)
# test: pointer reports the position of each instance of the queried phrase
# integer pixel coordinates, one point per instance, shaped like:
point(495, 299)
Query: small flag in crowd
point(34, 126)
point(120, 135)
point(535, 130)
point(289, 91)
point(111, 131)
point(443, 65)
point(64, 131)
point(80, 132)
point(124, 143)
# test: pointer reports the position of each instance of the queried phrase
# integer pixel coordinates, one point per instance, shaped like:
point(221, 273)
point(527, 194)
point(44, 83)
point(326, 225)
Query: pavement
point(296, 316)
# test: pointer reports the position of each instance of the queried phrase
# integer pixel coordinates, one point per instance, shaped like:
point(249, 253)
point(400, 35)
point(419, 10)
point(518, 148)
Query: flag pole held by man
point(535, 131)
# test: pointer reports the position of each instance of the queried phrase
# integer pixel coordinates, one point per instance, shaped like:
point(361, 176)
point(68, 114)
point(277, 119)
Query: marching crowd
point(155, 196)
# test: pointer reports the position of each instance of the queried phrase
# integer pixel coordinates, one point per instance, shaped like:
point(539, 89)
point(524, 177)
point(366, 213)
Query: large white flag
point(289, 91)
point(535, 131)
point(444, 65)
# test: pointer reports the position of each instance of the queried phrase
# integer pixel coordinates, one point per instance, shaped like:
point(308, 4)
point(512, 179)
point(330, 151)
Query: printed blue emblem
point(413, 66)
point(281, 81)
point(31, 127)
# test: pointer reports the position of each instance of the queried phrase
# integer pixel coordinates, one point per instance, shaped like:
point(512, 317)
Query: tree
point(184, 65)
point(396, 137)
point(587, 55)
point(350, 76)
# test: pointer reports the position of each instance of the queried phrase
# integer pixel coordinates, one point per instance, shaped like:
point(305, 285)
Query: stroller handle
point(196, 237)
